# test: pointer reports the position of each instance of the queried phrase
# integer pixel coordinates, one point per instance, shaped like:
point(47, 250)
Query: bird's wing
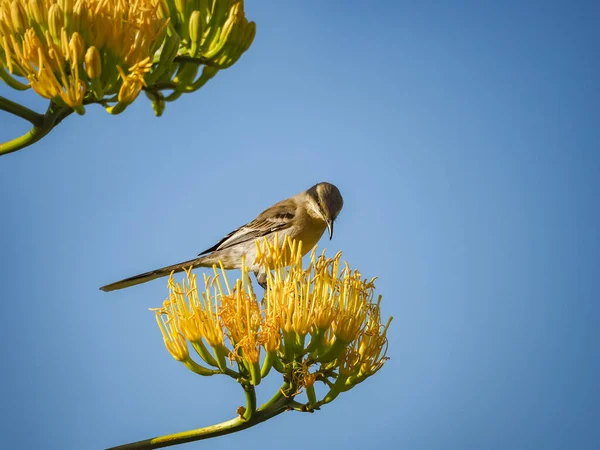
point(277, 217)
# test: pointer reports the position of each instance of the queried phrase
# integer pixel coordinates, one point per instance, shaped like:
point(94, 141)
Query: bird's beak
point(330, 228)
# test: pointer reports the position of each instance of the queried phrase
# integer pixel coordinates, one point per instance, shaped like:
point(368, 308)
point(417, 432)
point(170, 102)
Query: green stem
point(250, 402)
point(278, 365)
point(289, 340)
point(336, 389)
point(267, 364)
point(278, 397)
point(317, 342)
point(54, 115)
point(277, 405)
point(21, 111)
point(311, 395)
point(232, 373)
point(203, 353)
point(160, 85)
point(29, 138)
point(196, 60)
point(42, 124)
point(200, 370)
point(220, 356)
point(8, 79)
point(255, 373)
point(335, 351)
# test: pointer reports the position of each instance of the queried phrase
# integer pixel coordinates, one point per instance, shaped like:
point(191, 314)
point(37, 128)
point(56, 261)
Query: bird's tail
point(143, 277)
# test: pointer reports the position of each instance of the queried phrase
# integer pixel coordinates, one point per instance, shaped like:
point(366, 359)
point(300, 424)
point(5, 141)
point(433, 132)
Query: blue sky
point(464, 139)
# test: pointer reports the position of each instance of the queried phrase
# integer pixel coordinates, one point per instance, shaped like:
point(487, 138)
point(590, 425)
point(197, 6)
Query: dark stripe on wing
point(259, 227)
point(216, 246)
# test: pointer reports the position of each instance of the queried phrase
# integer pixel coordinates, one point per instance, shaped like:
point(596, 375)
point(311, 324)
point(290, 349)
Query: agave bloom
point(76, 52)
point(319, 323)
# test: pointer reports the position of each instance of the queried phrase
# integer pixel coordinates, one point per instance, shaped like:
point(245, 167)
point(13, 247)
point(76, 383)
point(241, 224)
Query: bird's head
point(325, 202)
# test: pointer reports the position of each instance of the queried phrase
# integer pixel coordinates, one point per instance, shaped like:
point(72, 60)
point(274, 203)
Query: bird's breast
point(309, 231)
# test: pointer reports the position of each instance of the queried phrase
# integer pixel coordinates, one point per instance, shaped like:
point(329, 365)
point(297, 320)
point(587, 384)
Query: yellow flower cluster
point(67, 49)
point(105, 51)
point(319, 323)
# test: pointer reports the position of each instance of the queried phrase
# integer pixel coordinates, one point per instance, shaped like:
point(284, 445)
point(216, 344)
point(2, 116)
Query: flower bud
point(195, 26)
point(180, 5)
point(64, 44)
point(158, 105)
point(93, 63)
point(18, 17)
point(55, 21)
point(34, 8)
point(5, 25)
point(162, 9)
point(76, 48)
point(78, 11)
point(66, 6)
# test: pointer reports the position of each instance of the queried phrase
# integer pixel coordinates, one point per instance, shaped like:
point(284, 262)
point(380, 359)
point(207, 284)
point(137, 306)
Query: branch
point(21, 111)
point(42, 124)
point(277, 405)
point(199, 60)
point(31, 137)
point(250, 409)
point(54, 114)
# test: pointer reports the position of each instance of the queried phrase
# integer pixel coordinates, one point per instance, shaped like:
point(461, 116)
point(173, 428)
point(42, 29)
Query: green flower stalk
point(318, 324)
point(80, 52)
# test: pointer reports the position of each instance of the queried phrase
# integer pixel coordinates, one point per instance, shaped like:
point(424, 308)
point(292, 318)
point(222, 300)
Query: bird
point(303, 217)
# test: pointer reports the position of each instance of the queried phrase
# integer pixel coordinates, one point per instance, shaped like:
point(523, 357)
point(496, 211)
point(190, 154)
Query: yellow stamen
point(174, 341)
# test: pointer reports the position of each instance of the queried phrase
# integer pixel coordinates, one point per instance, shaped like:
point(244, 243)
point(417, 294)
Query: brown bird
point(303, 217)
